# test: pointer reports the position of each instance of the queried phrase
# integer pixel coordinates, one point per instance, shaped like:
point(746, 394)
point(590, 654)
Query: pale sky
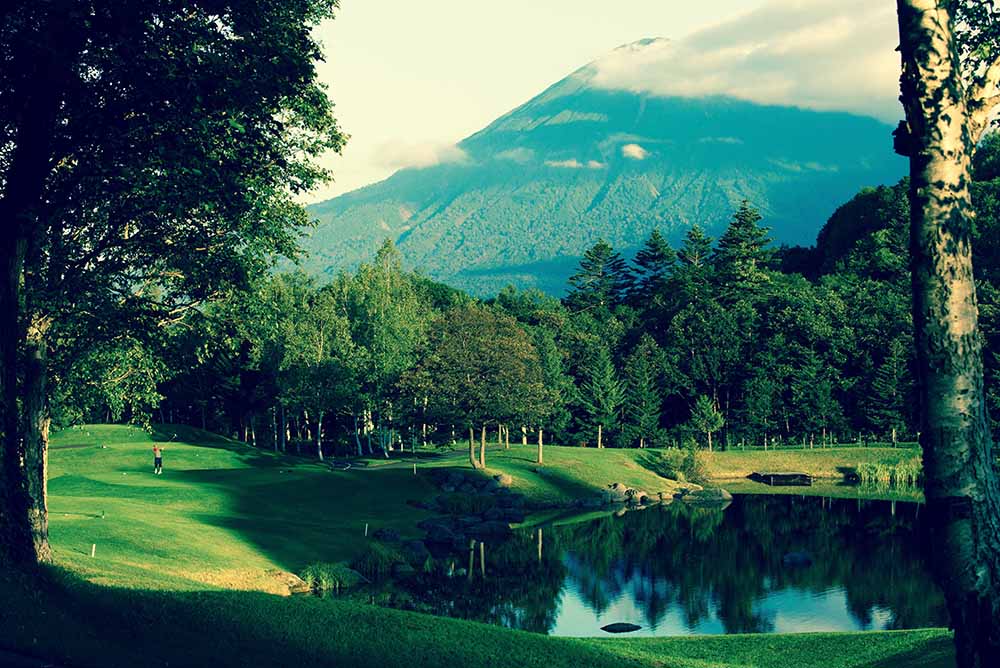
point(411, 78)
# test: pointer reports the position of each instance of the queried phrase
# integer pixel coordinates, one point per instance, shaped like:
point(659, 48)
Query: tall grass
point(325, 577)
point(905, 473)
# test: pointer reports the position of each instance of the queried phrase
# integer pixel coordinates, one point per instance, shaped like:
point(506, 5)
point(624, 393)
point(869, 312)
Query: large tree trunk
point(16, 545)
point(36, 438)
point(47, 59)
point(963, 496)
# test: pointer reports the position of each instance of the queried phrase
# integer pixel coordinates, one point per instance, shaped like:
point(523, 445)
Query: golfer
point(157, 459)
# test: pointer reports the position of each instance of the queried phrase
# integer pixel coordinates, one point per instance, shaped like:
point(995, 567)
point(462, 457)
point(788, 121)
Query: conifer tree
point(742, 255)
point(602, 393)
point(644, 401)
point(602, 281)
point(654, 264)
point(692, 270)
point(706, 418)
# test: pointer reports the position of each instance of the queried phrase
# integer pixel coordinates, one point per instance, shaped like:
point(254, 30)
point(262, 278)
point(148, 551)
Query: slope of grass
point(221, 514)
point(225, 517)
point(820, 462)
point(78, 624)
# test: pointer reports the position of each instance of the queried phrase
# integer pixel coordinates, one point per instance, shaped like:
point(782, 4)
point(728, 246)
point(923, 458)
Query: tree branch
point(982, 98)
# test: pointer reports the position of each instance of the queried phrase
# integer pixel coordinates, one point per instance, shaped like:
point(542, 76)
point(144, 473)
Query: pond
point(763, 564)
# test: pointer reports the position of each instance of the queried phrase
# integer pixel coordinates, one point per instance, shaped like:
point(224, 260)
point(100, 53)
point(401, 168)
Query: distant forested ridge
point(725, 341)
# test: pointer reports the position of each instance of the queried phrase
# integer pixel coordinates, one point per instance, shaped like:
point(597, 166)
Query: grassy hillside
point(225, 517)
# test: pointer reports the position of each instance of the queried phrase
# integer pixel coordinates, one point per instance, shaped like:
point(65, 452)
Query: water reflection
point(764, 564)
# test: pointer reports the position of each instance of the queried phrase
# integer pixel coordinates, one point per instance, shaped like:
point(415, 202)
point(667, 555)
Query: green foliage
point(601, 392)
point(377, 560)
point(905, 474)
point(324, 577)
point(602, 281)
point(706, 417)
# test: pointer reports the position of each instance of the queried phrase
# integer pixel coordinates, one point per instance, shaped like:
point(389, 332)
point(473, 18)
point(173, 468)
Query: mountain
point(580, 162)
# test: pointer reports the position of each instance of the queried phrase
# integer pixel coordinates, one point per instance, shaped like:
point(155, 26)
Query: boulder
point(708, 495)
point(415, 552)
point(512, 515)
point(386, 535)
point(489, 528)
point(455, 479)
point(402, 570)
point(504, 480)
point(797, 560)
point(494, 514)
point(617, 493)
point(448, 488)
point(621, 627)
point(467, 488)
point(592, 502)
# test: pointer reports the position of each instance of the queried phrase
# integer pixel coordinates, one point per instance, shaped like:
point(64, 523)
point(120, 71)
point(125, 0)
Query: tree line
point(733, 342)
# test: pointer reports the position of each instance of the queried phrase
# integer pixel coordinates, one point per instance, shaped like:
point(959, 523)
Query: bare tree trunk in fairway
point(963, 498)
point(540, 459)
point(472, 448)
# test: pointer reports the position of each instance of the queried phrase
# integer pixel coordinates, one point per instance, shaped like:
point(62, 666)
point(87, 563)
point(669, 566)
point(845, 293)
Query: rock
point(494, 514)
point(620, 627)
point(490, 528)
point(512, 515)
point(386, 535)
point(797, 560)
point(504, 480)
point(466, 522)
point(455, 479)
point(617, 493)
point(448, 488)
point(402, 570)
point(467, 488)
point(708, 495)
point(491, 486)
point(415, 552)
point(592, 502)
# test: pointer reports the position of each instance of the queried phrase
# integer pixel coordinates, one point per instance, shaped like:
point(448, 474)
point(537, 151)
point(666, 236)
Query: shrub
point(458, 503)
point(906, 473)
point(377, 561)
point(330, 577)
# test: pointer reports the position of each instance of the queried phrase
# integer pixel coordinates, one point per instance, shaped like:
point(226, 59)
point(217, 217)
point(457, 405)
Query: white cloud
point(520, 155)
point(634, 151)
point(402, 154)
point(819, 54)
point(573, 163)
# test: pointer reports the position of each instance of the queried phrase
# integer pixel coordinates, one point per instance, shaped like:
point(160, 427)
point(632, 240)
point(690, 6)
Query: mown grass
point(59, 618)
point(819, 462)
point(225, 517)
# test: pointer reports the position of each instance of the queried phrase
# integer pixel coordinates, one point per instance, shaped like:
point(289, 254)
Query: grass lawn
point(820, 462)
point(171, 549)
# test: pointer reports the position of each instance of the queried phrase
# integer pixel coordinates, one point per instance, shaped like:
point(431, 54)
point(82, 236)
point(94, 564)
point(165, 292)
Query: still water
point(763, 564)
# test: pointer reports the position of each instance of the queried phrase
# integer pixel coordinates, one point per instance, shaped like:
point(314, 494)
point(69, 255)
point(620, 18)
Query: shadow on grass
point(115, 628)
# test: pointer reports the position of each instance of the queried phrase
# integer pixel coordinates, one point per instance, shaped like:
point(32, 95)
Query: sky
point(410, 79)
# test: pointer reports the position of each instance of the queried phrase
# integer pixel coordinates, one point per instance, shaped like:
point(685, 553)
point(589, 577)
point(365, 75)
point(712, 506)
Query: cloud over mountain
point(822, 54)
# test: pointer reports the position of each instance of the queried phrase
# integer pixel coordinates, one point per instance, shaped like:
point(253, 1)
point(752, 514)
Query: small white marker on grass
point(366, 529)
point(93, 550)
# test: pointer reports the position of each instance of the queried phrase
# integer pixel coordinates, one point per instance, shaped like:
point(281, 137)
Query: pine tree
point(643, 401)
point(654, 264)
point(602, 281)
point(889, 391)
point(692, 270)
point(602, 393)
point(742, 255)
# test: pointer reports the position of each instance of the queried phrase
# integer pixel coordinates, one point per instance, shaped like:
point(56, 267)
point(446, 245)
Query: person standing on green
point(157, 459)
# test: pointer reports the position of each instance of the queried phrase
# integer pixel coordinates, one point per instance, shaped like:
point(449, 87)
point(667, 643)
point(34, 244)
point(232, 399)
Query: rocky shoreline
point(475, 506)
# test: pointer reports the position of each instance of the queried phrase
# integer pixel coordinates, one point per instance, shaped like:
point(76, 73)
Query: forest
point(730, 342)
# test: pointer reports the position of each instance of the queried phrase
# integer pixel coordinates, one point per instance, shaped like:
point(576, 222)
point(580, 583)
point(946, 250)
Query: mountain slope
point(578, 162)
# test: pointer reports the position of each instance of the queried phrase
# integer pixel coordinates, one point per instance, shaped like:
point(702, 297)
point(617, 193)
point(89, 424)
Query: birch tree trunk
point(482, 448)
point(540, 458)
point(472, 448)
point(963, 497)
point(36, 438)
point(319, 435)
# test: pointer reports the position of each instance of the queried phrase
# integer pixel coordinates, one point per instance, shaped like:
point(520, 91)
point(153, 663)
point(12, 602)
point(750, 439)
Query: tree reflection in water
point(683, 569)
